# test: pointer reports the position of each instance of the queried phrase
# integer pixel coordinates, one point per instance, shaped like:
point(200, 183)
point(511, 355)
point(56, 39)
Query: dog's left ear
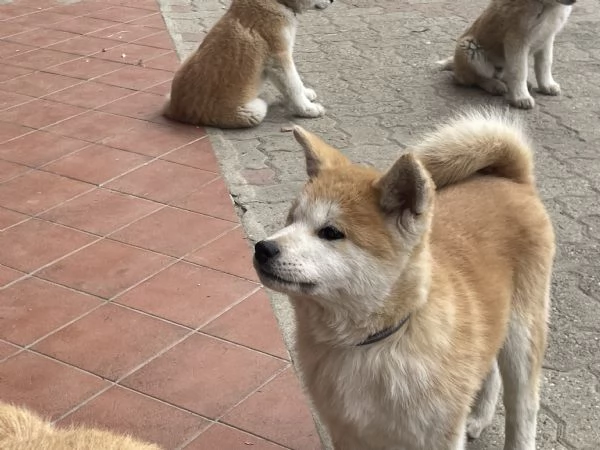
point(406, 188)
point(319, 155)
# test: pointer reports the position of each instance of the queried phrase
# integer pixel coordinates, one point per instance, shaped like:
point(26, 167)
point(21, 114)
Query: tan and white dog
point(494, 51)
point(219, 84)
point(21, 429)
point(414, 290)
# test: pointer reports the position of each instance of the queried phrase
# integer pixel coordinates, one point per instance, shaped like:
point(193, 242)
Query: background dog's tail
point(446, 64)
point(480, 141)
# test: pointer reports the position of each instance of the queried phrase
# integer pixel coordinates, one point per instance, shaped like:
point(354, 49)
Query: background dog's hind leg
point(476, 57)
point(483, 410)
point(252, 113)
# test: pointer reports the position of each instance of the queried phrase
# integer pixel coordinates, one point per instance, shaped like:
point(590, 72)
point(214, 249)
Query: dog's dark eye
point(330, 233)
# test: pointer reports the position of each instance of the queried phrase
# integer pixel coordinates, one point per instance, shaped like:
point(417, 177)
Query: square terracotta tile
point(10, 99)
point(105, 268)
point(49, 387)
point(93, 126)
point(8, 275)
point(131, 53)
point(142, 4)
point(120, 14)
point(204, 375)
point(124, 32)
point(198, 154)
point(32, 308)
point(7, 349)
point(162, 181)
point(40, 59)
point(212, 200)
point(10, 170)
point(96, 164)
point(42, 19)
point(168, 61)
point(90, 94)
point(10, 29)
point(80, 8)
point(34, 243)
point(38, 84)
point(39, 147)
point(11, 49)
point(41, 37)
point(172, 231)
point(162, 39)
point(161, 89)
point(83, 45)
point(10, 131)
point(141, 105)
point(9, 11)
point(136, 77)
point(223, 436)
point(100, 211)
point(8, 72)
point(187, 294)
point(124, 411)
point(39, 113)
point(154, 21)
point(83, 25)
point(230, 253)
point(35, 191)
point(9, 218)
point(250, 323)
point(121, 340)
point(154, 139)
point(278, 411)
point(85, 68)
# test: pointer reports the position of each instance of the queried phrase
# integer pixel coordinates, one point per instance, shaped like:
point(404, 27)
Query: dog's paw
point(524, 102)
point(550, 89)
point(310, 94)
point(475, 427)
point(494, 86)
point(310, 110)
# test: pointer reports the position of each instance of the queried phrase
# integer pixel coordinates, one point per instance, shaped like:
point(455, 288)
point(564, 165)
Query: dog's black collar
point(381, 335)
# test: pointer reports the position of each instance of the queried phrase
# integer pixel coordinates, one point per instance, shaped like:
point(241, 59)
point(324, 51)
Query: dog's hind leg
point(252, 113)
point(520, 362)
point(476, 57)
point(483, 410)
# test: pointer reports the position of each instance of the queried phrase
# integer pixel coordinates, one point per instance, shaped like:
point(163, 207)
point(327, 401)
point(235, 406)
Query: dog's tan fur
point(493, 52)
point(468, 261)
point(21, 429)
point(219, 84)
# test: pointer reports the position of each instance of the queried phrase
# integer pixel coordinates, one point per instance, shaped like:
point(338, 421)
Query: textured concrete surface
point(372, 65)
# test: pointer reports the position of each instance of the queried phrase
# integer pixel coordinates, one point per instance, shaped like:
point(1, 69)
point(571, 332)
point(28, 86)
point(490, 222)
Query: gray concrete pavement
point(372, 65)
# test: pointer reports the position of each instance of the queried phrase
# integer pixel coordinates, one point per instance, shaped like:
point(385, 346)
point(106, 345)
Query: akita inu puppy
point(219, 84)
point(493, 53)
point(414, 290)
point(21, 429)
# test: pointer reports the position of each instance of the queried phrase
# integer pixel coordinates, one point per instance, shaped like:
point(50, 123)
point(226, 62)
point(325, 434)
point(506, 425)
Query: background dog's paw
point(523, 102)
point(310, 94)
point(474, 428)
point(310, 110)
point(550, 89)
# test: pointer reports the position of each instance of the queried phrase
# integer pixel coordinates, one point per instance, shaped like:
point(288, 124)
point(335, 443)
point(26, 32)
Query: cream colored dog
point(493, 53)
point(219, 84)
point(415, 289)
point(20, 429)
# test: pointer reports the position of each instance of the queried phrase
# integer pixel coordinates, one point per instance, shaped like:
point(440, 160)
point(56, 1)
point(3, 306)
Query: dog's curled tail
point(480, 141)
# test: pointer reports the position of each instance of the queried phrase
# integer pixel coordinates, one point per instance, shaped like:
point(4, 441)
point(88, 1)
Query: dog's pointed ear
point(319, 155)
point(406, 188)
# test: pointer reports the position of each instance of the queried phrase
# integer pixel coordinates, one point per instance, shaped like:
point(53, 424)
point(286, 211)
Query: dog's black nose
point(265, 250)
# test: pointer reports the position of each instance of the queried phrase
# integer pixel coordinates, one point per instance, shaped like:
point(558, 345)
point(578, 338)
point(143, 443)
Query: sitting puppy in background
point(493, 53)
point(218, 85)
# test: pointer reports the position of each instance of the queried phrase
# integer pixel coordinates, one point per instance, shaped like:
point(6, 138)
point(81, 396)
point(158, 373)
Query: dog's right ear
point(319, 155)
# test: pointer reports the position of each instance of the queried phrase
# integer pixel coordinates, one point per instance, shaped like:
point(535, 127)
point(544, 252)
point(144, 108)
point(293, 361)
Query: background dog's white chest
point(549, 23)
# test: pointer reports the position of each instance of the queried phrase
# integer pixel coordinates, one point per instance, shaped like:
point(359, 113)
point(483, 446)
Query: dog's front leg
point(543, 69)
point(516, 74)
point(282, 72)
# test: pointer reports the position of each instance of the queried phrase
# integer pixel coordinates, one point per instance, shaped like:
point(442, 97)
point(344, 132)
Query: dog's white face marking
point(335, 272)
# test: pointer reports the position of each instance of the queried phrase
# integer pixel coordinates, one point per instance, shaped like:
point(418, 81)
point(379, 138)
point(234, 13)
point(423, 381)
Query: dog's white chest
point(548, 24)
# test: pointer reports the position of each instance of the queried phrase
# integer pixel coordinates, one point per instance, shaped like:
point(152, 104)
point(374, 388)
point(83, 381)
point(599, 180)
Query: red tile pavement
point(127, 293)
